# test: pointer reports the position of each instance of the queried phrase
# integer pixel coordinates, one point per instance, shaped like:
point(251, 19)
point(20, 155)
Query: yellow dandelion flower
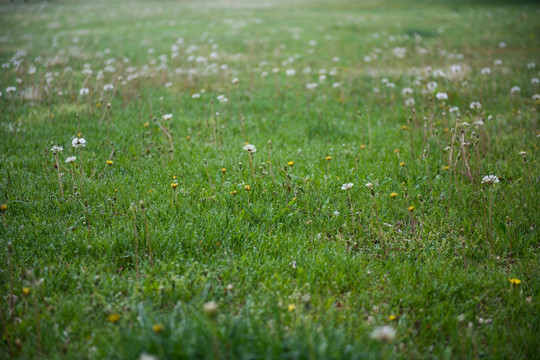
point(328, 158)
point(188, 138)
point(234, 192)
point(411, 208)
point(174, 186)
point(79, 134)
point(290, 163)
point(402, 163)
point(446, 130)
point(114, 317)
point(26, 290)
point(362, 147)
point(291, 307)
point(396, 150)
point(98, 105)
point(223, 170)
point(515, 281)
point(174, 177)
point(392, 317)
point(405, 127)
point(3, 207)
point(109, 162)
point(246, 187)
point(146, 124)
point(393, 195)
point(157, 328)
point(446, 167)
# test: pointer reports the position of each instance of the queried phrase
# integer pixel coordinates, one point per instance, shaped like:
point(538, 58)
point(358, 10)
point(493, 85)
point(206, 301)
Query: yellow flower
point(396, 150)
point(26, 290)
point(79, 134)
point(290, 163)
point(446, 130)
point(174, 186)
point(188, 138)
point(98, 105)
point(402, 163)
point(223, 170)
point(174, 177)
point(157, 328)
point(146, 124)
point(405, 127)
point(362, 147)
point(446, 167)
point(515, 281)
point(411, 208)
point(291, 307)
point(328, 158)
point(109, 162)
point(233, 193)
point(114, 317)
point(392, 317)
point(393, 195)
point(246, 187)
point(3, 207)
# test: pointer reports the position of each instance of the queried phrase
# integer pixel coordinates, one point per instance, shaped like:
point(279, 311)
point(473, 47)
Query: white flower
point(108, 87)
point(78, 142)
point(196, 96)
point(222, 99)
point(535, 81)
point(71, 159)
point(497, 62)
point(235, 81)
point(441, 96)
point(311, 86)
point(515, 90)
point(536, 97)
point(531, 65)
point(383, 333)
point(210, 307)
point(406, 91)
point(290, 72)
point(456, 69)
point(335, 213)
point(485, 71)
point(11, 89)
point(432, 85)
point(84, 91)
point(336, 85)
point(167, 117)
point(144, 356)
point(250, 148)
point(409, 102)
point(56, 149)
point(369, 186)
point(475, 105)
point(454, 109)
point(490, 179)
point(347, 186)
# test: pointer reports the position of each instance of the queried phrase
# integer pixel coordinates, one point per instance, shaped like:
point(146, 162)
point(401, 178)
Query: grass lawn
point(269, 179)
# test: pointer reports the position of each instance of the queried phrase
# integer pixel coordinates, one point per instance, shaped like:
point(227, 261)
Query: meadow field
point(269, 179)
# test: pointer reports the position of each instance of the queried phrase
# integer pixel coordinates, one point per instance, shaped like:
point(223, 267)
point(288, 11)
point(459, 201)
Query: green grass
point(293, 274)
